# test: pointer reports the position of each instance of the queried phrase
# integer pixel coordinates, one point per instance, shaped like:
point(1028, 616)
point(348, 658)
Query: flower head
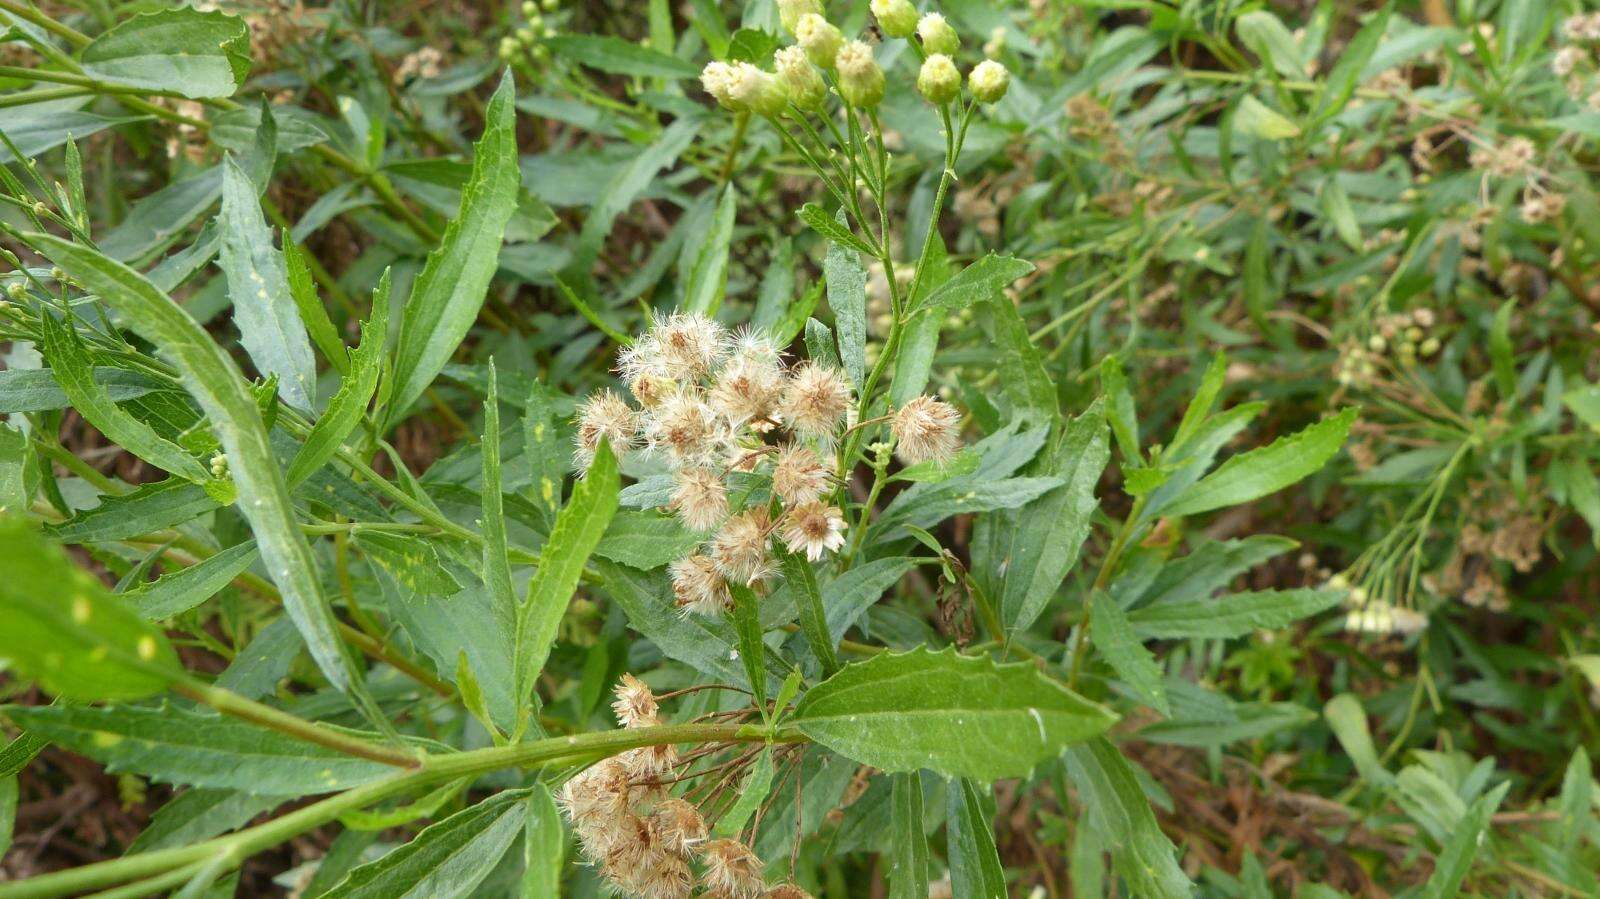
point(790, 12)
point(989, 81)
point(700, 499)
point(604, 415)
point(814, 529)
point(747, 389)
point(678, 826)
point(732, 868)
point(717, 79)
point(740, 548)
point(686, 428)
point(757, 91)
point(687, 345)
point(801, 80)
point(699, 587)
point(816, 400)
point(897, 18)
point(926, 429)
point(635, 704)
point(820, 39)
point(860, 78)
point(799, 475)
point(938, 81)
point(937, 34)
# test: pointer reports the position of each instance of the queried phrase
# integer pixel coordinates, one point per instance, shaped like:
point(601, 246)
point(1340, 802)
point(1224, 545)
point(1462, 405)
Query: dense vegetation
point(799, 449)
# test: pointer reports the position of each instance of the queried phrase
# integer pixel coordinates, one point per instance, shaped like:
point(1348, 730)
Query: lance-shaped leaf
point(847, 296)
point(174, 745)
point(1233, 615)
point(976, 283)
point(446, 860)
point(961, 716)
point(1115, 640)
point(908, 840)
point(1266, 470)
point(196, 54)
point(212, 377)
point(447, 295)
point(578, 529)
point(70, 362)
point(355, 391)
point(1140, 852)
point(975, 868)
point(59, 626)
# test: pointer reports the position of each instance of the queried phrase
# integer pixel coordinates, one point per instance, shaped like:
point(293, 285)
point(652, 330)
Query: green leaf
point(496, 559)
point(71, 365)
point(156, 220)
point(908, 846)
point(846, 278)
point(837, 233)
point(1234, 615)
point(802, 578)
point(413, 562)
point(1115, 640)
point(1211, 566)
point(1120, 411)
point(1351, 69)
point(1501, 353)
point(1254, 118)
point(8, 810)
point(446, 860)
point(1584, 403)
point(1266, 469)
point(1023, 378)
point(196, 815)
point(746, 618)
point(264, 661)
point(620, 57)
point(577, 532)
point(447, 294)
point(1348, 720)
point(1140, 852)
point(543, 845)
point(626, 187)
point(210, 374)
point(751, 796)
point(958, 715)
point(1336, 206)
point(195, 54)
point(36, 390)
point(1456, 860)
point(1199, 407)
point(976, 283)
point(1577, 797)
point(173, 745)
point(646, 539)
point(345, 410)
point(147, 508)
point(60, 627)
point(269, 323)
point(182, 590)
point(975, 868)
point(18, 471)
point(314, 315)
point(1266, 36)
point(36, 131)
point(708, 279)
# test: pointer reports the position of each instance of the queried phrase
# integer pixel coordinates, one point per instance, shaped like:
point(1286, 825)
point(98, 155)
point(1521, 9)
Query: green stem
point(27, 12)
point(740, 125)
point(230, 703)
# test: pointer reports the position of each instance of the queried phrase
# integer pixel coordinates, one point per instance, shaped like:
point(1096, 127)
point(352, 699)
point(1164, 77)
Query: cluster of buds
point(645, 841)
point(1539, 205)
point(729, 417)
point(801, 72)
point(528, 36)
point(1508, 160)
point(424, 62)
point(1369, 615)
point(1403, 336)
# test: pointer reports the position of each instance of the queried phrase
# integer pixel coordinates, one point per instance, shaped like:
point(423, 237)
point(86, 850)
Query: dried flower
point(819, 38)
point(740, 548)
point(700, 499)
point(926, 429)
point(938, 36)
point(860, 78)
point(989, 81)
point(897, 18)
point(814, 528)
point(1565, 61)
point(815, 400)
point(799, 475)
point(787, 891)
point(635, 705)
point(678, 826)
point(687, 428)
point(938, 81)
point(747, 389)
point(604, 415)
point(733, 868)
point(687, 345)
point(800, 79)
point(699, 587)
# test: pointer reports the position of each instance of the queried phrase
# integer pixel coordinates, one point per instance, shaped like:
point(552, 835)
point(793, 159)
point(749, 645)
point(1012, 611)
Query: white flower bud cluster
point(1403, 337)
point(723, 410)
point(1370, 615)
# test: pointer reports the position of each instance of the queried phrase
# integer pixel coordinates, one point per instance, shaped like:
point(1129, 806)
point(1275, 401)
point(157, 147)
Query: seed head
point(937, 35)
point(699, 587)
point(989, 81)
point(787, 891)
point(938, 81)
point(800, 79)
point(799, 475)
point(926, 429)
point(732, 868)
point(635, 705)
point(814, 529)
point(815, 400)
point(897, 18)
point(747, 389)
point(740, 548)
point(820, 39)
point(684, 345)
point(678, 826)
point(604, 415)
point(686, 428)
point(860, 78)
point(701, 499)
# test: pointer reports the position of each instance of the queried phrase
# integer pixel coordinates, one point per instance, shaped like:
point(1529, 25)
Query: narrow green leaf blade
point(975, 868)
point(1234, 615)
point(1116, 641)
point(543, 845)
point(345, 409)
point(1459, 852)
point(1267, 469)
point(976, 283)
point(196, 54)
point(846, 279)
point(1117, 806)
point(908, 846)
point(797, 571)
point(446, 860)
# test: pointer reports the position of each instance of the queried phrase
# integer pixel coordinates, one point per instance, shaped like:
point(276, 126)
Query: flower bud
point(529, 9)
point(819, 38)
point(753, 90)
point(897, 18)
point(717, 79)
point(989, 81)
point(937, 35)
point(996, 44)
point(800, 78)
point(938, 81)
point(860, 79)
point(791, 11)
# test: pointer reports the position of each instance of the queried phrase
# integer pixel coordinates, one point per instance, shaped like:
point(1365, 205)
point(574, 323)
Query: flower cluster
point(644, 840)
point(1403, 337)
point(801, 72)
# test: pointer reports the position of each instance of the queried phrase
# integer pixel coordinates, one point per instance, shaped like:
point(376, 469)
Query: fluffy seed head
point(650, 389)
point(938, 36)
point(926, 429)
point(989, 81)
point(740, 548)
point(814, 529)
point(820, 39)
point(747, 389)
point(732, 868)
point(897, 18)
point(635, 704)
point(800, 79)
point(790, 12)
point(604, 415)
point(787, 891)
point(799, 475)
point(860, 78)
point(699, 587)
point(686, 428)
point(701, 499)
point(815, 400)
point(683, 345)
point(678, 826)
point(938, 81)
